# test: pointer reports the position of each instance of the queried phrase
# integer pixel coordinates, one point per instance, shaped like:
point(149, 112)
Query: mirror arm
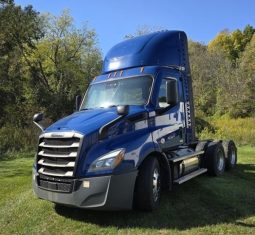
point(38, 125)
point(78, 100)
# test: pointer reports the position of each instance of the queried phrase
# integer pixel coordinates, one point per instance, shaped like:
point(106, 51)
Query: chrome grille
point(57, 153)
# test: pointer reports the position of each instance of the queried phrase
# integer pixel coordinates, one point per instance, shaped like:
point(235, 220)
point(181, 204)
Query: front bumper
point(114, 192)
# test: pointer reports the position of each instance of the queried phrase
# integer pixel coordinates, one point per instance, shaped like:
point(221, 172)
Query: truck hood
point(88, 121)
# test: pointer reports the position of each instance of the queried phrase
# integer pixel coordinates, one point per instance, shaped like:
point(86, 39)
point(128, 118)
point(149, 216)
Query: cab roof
point(163, 48)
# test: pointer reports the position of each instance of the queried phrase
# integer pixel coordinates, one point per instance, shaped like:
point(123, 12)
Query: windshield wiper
point(102, 107)
point(106, 107)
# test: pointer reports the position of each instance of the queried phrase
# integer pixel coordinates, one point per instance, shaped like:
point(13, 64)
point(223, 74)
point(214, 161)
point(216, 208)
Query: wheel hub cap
point(221, 160)
point(156, 184)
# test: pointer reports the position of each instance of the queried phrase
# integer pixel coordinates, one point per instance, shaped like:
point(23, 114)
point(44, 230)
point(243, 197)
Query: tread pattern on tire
point(143, 199)
point(226, 146)
point(211, 158)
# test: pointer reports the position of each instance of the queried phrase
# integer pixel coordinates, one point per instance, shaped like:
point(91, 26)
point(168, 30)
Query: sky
point(202, 20)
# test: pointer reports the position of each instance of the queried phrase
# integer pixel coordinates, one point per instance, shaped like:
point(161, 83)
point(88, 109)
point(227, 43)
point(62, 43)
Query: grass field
point(204, 205)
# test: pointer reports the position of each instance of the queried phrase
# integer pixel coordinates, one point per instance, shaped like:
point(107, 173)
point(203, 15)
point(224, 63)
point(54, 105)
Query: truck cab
point(132, 135)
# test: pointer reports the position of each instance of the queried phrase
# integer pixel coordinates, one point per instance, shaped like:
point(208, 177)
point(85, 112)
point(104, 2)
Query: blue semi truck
point(133, 134)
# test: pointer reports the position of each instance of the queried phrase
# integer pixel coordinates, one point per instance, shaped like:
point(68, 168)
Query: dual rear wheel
point(220, 156)
point(230, 153)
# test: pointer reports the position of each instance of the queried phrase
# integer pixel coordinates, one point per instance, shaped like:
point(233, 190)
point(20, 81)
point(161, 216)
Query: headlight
point(108, 161)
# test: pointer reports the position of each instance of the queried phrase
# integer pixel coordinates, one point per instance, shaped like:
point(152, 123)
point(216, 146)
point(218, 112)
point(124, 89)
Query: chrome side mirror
point(37, 118)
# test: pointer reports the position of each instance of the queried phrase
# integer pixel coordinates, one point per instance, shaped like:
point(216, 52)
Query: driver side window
point(162, 95)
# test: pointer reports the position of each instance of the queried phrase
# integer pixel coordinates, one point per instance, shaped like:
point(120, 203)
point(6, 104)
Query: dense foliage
point(223, 74)
point(241, 130)
point(45, 61)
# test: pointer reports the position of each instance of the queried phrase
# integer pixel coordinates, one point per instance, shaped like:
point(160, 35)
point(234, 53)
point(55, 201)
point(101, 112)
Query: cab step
point(190, 176)
point(180, 158)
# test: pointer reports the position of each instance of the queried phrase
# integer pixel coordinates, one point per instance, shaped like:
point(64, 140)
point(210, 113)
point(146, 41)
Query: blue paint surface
point(146, 129)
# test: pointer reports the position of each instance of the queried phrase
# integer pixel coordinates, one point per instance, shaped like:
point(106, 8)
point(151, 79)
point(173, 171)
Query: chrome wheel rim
point(220, 164)
point(156, 184)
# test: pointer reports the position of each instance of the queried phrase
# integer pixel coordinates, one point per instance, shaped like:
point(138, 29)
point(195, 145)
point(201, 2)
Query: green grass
point(204, 205)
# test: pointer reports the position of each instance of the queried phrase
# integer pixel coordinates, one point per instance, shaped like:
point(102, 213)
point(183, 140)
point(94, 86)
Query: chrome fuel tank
point(189, 165)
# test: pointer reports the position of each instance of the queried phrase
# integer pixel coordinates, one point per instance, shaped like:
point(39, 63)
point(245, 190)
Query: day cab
point(132, 135)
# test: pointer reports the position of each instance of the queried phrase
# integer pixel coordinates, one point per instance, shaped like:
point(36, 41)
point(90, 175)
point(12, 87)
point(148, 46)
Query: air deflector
point(164, 48)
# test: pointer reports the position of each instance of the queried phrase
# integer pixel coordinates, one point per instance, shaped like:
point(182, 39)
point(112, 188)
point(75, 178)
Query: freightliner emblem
point(56, 135)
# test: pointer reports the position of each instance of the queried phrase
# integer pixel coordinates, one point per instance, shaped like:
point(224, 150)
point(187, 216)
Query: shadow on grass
point(200, 202)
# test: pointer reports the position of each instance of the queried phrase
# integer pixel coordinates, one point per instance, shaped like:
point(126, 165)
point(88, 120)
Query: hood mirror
point(38, 117)
point(123, 110)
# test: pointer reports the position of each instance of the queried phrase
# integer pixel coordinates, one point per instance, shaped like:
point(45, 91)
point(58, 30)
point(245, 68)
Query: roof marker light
point(114, 65)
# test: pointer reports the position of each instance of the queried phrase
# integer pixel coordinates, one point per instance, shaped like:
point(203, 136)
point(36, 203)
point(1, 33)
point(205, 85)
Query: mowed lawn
point(204, 205)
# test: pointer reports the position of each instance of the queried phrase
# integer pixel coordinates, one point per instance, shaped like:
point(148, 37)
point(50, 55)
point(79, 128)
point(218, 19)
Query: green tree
point(210, 72)
point(232, 43)
point(248, 33)
point(247, 77)
point(62, 65)
point(19, 28)
point(236, 91)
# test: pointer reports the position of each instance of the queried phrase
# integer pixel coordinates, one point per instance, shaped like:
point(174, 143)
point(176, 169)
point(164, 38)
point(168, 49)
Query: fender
point(164, 164)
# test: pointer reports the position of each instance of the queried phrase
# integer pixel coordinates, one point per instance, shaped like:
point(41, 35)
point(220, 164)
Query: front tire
point(148, 185)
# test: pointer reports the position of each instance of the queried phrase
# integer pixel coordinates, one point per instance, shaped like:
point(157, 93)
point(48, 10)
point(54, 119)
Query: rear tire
point(148, 185)
point(215, 158)
point(230, 154)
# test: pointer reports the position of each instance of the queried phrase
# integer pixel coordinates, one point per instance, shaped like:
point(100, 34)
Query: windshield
point(126, 91)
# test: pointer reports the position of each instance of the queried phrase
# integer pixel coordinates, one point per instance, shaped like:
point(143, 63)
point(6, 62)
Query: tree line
point(223, 74)
point(45, 61)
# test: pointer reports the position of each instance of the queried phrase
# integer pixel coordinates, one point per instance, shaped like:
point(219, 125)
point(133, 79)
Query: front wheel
point(148, 185)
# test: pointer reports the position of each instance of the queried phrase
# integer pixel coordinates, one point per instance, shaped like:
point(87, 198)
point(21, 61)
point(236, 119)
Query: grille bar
point(45, 171)
point(73, 145)
point(44, 162)
point(72, 154)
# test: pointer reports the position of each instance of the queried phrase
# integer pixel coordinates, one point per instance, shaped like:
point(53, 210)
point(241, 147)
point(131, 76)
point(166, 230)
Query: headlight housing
point(108, 161)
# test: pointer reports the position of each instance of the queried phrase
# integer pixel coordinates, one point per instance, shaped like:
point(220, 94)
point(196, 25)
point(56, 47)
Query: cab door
point(169, 119)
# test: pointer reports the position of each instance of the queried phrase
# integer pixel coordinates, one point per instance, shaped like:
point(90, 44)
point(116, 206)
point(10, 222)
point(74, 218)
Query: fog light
point(86, 184)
